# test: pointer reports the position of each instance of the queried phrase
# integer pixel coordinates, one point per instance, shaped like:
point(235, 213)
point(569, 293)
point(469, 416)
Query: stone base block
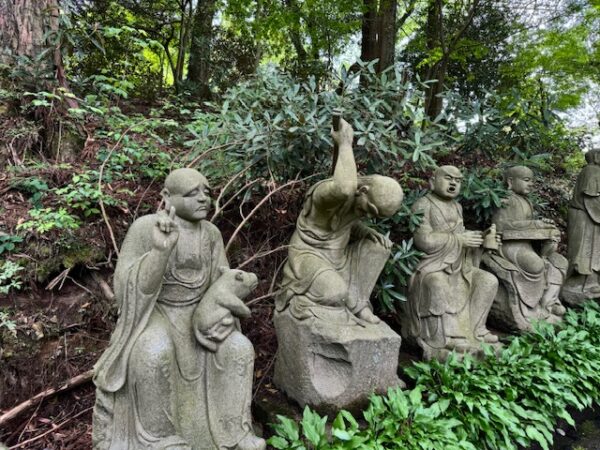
point(332, 366)
point(575, 296)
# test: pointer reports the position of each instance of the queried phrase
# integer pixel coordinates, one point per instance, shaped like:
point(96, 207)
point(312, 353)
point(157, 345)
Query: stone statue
point(583, 234)
point(177, 373)
point(530, 270)
point(333, 351)
point(449, 297)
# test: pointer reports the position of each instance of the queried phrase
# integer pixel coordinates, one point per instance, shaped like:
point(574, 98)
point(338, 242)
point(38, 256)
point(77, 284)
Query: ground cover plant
point(496, 403)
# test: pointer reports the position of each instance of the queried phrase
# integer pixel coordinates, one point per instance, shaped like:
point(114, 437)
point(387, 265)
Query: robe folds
point(154, 342)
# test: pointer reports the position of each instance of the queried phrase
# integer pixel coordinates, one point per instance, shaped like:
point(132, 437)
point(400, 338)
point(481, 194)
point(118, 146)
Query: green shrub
point(499, 402)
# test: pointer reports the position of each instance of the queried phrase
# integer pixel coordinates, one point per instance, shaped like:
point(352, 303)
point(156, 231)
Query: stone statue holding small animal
point(178, 372)
point(333, 350)
point(530, 270)
point(583, 234)
point(449, 296)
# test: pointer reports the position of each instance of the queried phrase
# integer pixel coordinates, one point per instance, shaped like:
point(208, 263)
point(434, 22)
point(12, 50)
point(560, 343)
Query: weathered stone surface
point(178, 372)
point(530, 270)
point(449, 297)
point(330, 342)
point(330, 367)
point(583, 233)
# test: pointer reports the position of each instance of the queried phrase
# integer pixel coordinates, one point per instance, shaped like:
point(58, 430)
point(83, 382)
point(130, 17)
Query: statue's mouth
point(452, 189)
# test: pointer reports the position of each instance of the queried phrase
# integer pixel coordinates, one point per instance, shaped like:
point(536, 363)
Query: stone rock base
point(333, 366)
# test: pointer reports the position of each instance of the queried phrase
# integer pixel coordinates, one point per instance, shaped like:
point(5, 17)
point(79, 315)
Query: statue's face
point(447, 185)
point(522, 185)
point(192, 204)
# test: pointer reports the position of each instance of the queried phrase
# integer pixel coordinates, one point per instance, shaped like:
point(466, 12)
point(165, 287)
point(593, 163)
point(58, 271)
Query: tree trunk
point(368, 50)
point(30, 30)
point(202, 35)
point(387, 34)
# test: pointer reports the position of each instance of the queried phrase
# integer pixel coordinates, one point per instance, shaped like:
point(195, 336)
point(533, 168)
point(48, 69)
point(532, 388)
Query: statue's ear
point(431, 181)
point(223, 269)
point(509, 182)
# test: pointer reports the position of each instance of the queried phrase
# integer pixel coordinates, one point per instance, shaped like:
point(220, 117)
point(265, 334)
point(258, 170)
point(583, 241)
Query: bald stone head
point(519, 179)
point(446, 182)
point(379, 196)
point(187, 191)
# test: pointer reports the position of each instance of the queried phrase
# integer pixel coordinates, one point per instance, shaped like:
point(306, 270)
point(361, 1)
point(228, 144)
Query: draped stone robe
point(156, 386)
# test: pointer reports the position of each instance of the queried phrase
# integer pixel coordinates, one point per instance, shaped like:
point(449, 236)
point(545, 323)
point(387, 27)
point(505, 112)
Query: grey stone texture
point(530, 270)
point(583, 235)
point(449, 296)
point(177, 373)
point(329, 338)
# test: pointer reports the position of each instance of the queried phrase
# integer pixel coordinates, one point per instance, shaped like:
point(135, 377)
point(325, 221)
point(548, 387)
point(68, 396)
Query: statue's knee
point(486, 280)
point(153, 349)
point(236, 344)
point(531, 262)
point(329, 289)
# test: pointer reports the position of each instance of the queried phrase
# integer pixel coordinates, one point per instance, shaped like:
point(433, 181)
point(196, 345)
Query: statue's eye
point(191, 193)
point(239, 276)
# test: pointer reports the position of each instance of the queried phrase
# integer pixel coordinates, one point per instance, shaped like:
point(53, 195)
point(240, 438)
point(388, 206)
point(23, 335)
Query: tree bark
point(386, 34)
point(202, 36)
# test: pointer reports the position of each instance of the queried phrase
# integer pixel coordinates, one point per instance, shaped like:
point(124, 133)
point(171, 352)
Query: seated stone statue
point(334, 259)
point(449, 297)
point(528, 265)
point(158, 387)
point(323, 313)
point(583, 234)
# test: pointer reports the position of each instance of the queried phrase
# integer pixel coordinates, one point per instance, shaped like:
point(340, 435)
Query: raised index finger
point(172, 213)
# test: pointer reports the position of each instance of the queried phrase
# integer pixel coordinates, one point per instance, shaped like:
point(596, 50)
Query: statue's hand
point(166, 232)
point(473, 239)
point(345, 134)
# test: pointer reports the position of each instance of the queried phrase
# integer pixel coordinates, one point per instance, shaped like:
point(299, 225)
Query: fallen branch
point(51, 430)
point(24, 406)
point(104, 287)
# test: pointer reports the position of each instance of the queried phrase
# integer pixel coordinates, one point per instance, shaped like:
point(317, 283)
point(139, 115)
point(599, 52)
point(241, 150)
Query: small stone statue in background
point(449, 297)
point(158, 386)
point(531, 278)
point(333, 351)
point(583, 234)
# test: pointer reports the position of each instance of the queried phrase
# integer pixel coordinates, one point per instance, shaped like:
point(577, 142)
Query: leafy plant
point(46, 219)
point(481, 194)
point(9, 277)
point(7, 323)
point(9, 242)
point(499, 402)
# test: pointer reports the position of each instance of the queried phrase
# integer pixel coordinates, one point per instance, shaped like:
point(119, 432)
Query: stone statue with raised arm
point(583, 234)
point(333, 351)
point(449, 297)
point(530, 270)
point(176, 376)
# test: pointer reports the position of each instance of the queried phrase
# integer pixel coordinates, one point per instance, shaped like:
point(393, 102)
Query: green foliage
point(7, 323)
point(396, 274)
point(523, 130)
point(9, 276)
point(281, 127)
point(83, 193)
point(499, 402)
point(44, 220)
point(33, 186)
point(9, 242)
point(481, 194)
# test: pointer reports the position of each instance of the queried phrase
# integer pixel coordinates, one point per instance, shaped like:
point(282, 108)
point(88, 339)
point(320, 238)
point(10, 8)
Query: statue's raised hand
point(344, 135)
point(166, 231)
point(473, 239)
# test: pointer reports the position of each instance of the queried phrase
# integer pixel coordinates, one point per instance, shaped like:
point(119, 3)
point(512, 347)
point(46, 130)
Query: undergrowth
point(496, 403)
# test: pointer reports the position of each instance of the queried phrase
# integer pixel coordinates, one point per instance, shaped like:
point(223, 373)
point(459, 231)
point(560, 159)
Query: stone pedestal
point(334, 366)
